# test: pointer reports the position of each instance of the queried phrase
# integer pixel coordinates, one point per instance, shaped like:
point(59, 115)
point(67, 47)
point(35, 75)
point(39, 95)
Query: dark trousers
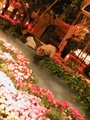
point(64, 53)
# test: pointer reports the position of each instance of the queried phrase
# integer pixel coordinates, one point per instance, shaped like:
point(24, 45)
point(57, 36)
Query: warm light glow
point(27, 23)
point(66, 58)
point(15, 18)
point(10, 8)
point(4, 6)
point(86, 30)
point(82, 55)
point(0, 11)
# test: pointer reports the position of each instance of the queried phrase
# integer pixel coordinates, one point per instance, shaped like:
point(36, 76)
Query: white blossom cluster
point(18, 103)
point(5, 56)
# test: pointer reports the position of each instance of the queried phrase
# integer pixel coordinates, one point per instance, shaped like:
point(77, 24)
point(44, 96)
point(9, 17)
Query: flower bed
point(18, 105)
point(20, 98)
point(76, 81)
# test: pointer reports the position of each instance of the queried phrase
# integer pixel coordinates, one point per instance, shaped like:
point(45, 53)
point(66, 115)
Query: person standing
point(71, 45)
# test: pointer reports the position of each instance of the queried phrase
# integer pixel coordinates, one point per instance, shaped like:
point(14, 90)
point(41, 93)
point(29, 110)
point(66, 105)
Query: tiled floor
point(46, 80)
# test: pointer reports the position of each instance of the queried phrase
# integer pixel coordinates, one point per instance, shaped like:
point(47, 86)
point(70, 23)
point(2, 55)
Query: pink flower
point(68, 118)
point(24, 105)
point(56, 102)
point(49, 95)
point(64, 105)
point(80, 118)
point(74, 112)
point(49, 100)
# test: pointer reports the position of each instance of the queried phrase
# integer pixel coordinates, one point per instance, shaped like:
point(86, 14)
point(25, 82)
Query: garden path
point(46, 79)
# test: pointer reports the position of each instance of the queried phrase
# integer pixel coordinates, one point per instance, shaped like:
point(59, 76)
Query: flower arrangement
point(20, 98)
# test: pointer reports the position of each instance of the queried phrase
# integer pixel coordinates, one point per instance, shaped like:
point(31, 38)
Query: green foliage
point(54, 114)
point(12, 32)
point(45, 103)
point(72, 11)
point(4, 24)
point(3, 66)
point(9, 28)
point(53, 67)
point(71, 65)
point(80, 88)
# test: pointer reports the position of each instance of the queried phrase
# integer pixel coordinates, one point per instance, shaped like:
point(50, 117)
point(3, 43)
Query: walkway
point(46, 80)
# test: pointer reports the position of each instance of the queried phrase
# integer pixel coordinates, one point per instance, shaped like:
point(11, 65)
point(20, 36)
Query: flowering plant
point(18, 103)
point(36, 102)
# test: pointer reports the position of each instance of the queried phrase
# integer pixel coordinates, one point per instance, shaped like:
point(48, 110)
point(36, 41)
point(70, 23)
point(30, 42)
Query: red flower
point(56, 102)
point(65, 105)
